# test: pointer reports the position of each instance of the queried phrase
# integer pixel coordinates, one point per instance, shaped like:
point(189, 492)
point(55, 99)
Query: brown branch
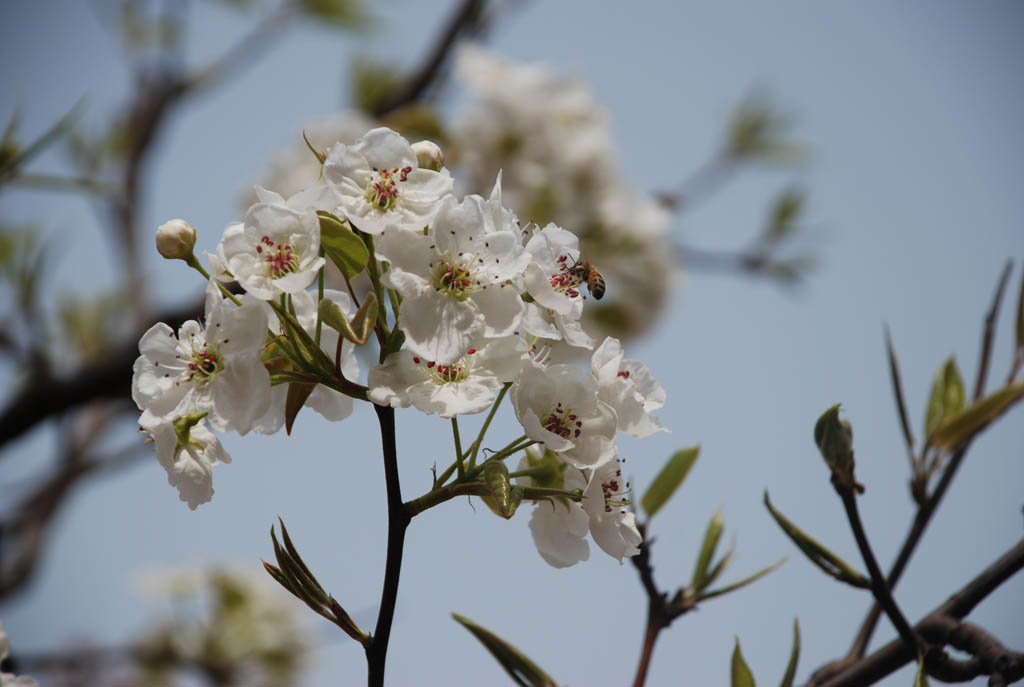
point(108, 379)
point(924, 512)
point(466, 20)
point(895, 655)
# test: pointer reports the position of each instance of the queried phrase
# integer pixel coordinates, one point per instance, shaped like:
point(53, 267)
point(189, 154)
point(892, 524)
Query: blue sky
point(912, 113)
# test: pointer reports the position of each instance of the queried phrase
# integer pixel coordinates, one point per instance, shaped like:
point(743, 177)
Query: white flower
point(612, 524)
point(175, 239)
point(628, 387)
point(559, 526)
point(216, 368)
point(276, 250)
point(463, 387)
point(548, 324)
point(187, 450)
point(555, 286)
point(379, 183)
point(559, 406)
point(10, 679)
point(454, 280)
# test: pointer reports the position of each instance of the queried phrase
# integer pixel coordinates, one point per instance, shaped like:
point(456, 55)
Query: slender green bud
point(176, 239)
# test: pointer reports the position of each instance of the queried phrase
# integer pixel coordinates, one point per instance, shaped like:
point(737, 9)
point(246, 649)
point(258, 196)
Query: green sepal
point(739, 673)
point(359, 329)
point(320, 155)
point(394, 342)
point(712, 535)
point(346, 250)
point(522, 670)
point(830, 563)
point(920, 677)
point(668, 480)
point(963, 426)
point(298, 392)
point(794, 657)
point(946, 399)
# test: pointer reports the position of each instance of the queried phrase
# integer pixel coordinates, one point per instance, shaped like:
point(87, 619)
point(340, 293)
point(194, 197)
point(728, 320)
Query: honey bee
point(586, 272)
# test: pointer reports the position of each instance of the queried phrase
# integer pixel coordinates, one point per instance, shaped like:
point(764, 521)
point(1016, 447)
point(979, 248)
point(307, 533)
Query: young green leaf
point(794, 656)
point(1020, 317)
point(830, 563)
point(522, 670)
point(740, 674)
point(343, 247)
point(946, 399)
point(668, 480)
point(358, 330)
point(298, 392)
point(741, 583)
point(959, 428)
point(712, 535)
point(897, 389)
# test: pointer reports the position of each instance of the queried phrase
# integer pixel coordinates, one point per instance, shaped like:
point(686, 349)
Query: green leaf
point(712, 535)
point(740, 673)
point(349, 14)
point(720, 566)
point(794, 656)
point(741, 583)
point(920, 678)
point(960, 428)
point(830, 563)
point(343, 247)
point(897, 389)
point(784, 212)
point(298, 392)
point(505, 498)
point(946, 399)
point(668, 480)
point(522, 670)
point(359, 329)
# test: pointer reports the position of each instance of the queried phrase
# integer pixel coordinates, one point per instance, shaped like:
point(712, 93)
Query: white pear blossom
point(276, 249)
point(379, 185)
point(559, 526)
point(454, 280)
point(628, 387)
point(175, 239)
point(612, 524)
point(466, 386)
point(187, 450)
point(215, 368)
point(550, 278)
point(10, 679)
point(558, 405)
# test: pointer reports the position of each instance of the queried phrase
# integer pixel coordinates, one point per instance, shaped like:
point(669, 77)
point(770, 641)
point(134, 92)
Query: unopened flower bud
point(428, 155)
point(176, 239)
point(834, 437)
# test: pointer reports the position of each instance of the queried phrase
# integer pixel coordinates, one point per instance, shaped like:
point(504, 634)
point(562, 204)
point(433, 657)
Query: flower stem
point(458, 448)
point(194, 263)
point(320, 297)
point(398, 521)
point(475, 448)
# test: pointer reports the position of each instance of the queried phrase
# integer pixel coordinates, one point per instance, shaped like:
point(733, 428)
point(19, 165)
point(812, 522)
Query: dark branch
point(895, 655)
point(398, 521)
point(466, 20)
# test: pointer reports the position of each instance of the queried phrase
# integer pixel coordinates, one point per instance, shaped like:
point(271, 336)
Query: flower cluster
point(475, 298)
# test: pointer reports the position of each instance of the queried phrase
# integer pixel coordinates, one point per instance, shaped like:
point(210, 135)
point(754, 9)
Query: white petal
point(241, 394)
point(502, 309)
point(559, 532)
point(440, 328)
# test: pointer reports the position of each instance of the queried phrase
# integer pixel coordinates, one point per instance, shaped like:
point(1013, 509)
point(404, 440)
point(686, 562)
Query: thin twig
point(990, 331)
point(883, 595)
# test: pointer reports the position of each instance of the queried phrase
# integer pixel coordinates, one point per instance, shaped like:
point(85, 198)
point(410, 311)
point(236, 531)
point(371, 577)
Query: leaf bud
point(176, 239)
point(428, 155)
point(834, 437)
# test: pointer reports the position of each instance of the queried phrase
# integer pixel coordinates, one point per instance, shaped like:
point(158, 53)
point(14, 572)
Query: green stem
point(458, 448)
point(475, 448)
point(320, 297)
point(373, 270)
point(194, 263)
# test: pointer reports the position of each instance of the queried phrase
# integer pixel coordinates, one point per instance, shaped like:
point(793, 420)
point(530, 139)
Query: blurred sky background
point(913, 114)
